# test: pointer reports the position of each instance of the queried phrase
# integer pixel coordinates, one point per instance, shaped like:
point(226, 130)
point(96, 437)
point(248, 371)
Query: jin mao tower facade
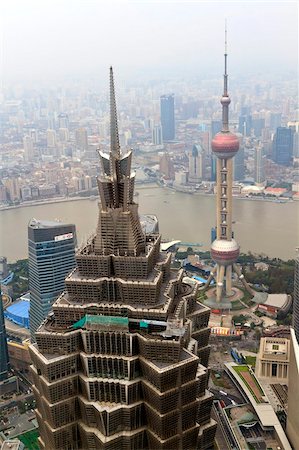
point(121, 362)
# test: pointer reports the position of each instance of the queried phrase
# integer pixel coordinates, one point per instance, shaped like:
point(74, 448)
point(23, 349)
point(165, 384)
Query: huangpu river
point(259, 226)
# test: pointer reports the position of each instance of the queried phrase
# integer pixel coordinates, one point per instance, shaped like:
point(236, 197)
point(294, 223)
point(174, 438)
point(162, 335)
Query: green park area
point(251, 382)
point(29, 439)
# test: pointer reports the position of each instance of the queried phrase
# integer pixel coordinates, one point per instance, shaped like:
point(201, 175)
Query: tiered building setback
point(121, 362)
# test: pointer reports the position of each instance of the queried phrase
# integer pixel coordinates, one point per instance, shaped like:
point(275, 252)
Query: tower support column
point(228, 281)
point(220, 279)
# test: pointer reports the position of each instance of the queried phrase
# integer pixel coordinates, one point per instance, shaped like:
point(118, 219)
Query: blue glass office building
point(51, 248)
point(283, 146)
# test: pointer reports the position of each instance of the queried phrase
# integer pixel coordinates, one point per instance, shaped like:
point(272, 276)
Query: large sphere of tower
point(225, 252)
point(225, 145)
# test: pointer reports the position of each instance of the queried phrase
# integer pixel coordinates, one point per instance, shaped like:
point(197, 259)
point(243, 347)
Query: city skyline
point(154, 322)
point(183, 42)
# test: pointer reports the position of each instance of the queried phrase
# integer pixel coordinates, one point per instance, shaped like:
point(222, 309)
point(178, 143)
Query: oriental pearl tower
point(225, 250)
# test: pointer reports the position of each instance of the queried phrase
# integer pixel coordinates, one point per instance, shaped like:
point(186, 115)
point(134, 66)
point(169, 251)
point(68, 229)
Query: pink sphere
point(225, 252)
point(225, 144)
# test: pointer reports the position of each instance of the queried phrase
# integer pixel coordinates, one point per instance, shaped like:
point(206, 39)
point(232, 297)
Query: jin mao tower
point(121, 361)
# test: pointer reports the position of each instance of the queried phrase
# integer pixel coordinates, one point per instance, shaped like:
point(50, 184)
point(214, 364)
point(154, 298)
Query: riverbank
point(260, 227)
point(46, 202)
point(137, 188)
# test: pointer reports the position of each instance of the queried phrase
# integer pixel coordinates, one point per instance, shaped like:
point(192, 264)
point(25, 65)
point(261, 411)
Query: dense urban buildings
point(51, 251)
point(167, 117)
point(122, 360)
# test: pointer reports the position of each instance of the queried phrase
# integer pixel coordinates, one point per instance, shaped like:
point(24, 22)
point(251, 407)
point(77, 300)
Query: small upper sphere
point(225, 100)
point(225, 144)
point(225, 252)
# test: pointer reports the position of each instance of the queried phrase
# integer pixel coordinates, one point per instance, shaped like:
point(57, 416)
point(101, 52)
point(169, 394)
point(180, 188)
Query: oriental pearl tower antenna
point(225, 250)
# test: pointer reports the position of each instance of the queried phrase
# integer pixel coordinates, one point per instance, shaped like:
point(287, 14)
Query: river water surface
point(260, 227)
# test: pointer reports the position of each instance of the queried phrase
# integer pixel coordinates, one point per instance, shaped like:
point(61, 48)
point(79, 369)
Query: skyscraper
point(216, 126)
point(28, 148)
point(293, 391)
point(259, 165)
point(51, 138)
point(196, 164)
point(167, 117)
point(121, 362)
point(245, 124)
point(82, 139)
point(51, 249)
point(296, 298)
point(239, 161)
point(157, 134)
point(63, 121)
point(4, 360)
point(224, 249)
point(283, 146)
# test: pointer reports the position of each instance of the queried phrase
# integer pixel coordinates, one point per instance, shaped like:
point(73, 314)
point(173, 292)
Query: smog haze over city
point(149, 219)
point(57, 40)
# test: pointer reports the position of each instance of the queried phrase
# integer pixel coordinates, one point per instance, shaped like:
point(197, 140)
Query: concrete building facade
point(272, 363)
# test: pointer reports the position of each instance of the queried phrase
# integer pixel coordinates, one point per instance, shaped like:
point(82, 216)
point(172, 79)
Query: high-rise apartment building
point(157, 134)
point(51, 138)
point(196, 164)
point(275, 120)
point(13, 189)
point(63, 121)
point(51, 251)
point(167, 117)
point(28, 148)
point(216, 126)
point(282, 150)
point(82, 139)
point(258, 124)
point(239, 161)
point(121, 362)
point(4, 360)
point(245, 124)
point(166, 166)
point(259, 165)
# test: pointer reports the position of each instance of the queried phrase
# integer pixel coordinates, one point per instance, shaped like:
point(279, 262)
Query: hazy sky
point(57, 38)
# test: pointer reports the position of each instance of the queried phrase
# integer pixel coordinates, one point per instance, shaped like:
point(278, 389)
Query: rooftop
point(37, 223)
point(276, 300)
point(249, 385)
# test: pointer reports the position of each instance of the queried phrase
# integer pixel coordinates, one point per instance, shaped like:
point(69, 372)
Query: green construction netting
point(101, 320)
